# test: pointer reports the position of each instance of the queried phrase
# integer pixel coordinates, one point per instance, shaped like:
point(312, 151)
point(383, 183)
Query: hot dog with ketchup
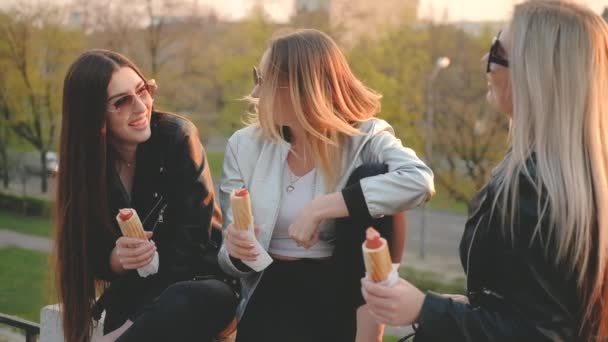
point(376, 256)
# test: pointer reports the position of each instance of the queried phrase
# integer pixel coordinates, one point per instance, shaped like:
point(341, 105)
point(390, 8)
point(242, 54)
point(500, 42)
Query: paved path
point(9, 238)
point(443, 232)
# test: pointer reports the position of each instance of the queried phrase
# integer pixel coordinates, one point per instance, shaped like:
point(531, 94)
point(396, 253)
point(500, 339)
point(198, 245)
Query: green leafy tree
point(469, 137)
point(244, 44)
point(39, 48)
point(396, 64)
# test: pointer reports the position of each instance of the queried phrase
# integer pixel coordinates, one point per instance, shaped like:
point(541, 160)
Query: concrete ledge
point(50, 325)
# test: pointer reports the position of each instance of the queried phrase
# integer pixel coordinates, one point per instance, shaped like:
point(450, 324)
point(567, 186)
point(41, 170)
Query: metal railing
point(32, 330)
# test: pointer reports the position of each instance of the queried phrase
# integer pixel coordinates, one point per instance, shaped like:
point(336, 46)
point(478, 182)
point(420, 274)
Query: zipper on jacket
point(469, 252)
point(160, 200)
point(489, 292)
point(160, 215)
point(160, 218)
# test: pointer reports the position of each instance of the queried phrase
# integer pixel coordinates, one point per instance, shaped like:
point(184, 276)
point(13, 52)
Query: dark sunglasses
point(257, 79)
point(125, 103)
point(494, 57)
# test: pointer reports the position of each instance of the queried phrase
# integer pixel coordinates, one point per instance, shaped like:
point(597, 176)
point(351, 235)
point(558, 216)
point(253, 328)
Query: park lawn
point(441, 201)
point(25, 224)
point(24, 284)
point(216, 160)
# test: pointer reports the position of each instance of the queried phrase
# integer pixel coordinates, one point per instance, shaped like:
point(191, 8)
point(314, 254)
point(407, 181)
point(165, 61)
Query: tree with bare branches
point(38, 47)
point(5, 131)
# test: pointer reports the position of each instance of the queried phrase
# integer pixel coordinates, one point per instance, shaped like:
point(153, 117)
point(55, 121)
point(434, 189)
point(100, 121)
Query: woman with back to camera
point(535, 248)
point(117, 152)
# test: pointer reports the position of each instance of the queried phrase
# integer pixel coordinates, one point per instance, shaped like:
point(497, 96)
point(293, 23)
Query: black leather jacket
point(173, 195)
point(517, 292)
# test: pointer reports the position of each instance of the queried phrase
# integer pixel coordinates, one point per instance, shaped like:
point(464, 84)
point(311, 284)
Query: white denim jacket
point(257, 163)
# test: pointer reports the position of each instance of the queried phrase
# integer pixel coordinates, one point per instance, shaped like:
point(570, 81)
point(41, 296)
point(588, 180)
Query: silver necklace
point(128, 165)
point(122, 163)
point(290, 187)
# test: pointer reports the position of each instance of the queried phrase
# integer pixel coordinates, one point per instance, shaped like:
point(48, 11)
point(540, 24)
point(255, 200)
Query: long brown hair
point(326, 96)
point(559, 73)
point(82, 216)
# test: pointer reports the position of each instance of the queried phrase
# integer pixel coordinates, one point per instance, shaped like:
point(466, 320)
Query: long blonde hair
point(559, 72)
point(327, 98)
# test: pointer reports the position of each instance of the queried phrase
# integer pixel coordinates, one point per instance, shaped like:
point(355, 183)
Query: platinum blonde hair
point(559, 73)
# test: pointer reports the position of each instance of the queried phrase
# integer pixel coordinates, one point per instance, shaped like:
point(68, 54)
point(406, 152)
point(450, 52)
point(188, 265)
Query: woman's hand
point(397, 305)
point(131, 253)
point(239, 245)
point(305, 228)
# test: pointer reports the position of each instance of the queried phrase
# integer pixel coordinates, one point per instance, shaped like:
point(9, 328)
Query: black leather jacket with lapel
point(173, 195)
point(516, 290)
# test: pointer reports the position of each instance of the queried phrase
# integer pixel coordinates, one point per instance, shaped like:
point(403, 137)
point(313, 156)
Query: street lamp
point(440, 64)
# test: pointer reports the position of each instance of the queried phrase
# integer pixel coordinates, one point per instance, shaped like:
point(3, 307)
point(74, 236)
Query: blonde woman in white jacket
point(320, 169)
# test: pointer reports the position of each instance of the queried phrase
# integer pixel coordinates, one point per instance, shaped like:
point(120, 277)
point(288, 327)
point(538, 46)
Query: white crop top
point(297, 193)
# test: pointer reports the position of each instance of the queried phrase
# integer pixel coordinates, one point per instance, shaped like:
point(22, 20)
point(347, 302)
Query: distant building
point(354, 19)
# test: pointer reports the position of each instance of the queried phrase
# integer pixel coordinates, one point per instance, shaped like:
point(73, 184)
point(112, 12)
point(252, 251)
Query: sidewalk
point(9, 238)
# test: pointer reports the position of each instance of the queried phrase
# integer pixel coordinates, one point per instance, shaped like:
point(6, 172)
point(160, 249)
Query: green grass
point(24, 285)
point(26, 224)
point(432, 281)
point(441, 201)
point(216, 160)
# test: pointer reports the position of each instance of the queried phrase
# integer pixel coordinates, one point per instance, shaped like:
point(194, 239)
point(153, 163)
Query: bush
point(425, 280)
point(28, 206)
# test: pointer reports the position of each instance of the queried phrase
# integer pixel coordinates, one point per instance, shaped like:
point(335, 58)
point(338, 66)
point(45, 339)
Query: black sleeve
point(443, 319)
point(535, 311)
point(355, 203)
point(191, 211)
